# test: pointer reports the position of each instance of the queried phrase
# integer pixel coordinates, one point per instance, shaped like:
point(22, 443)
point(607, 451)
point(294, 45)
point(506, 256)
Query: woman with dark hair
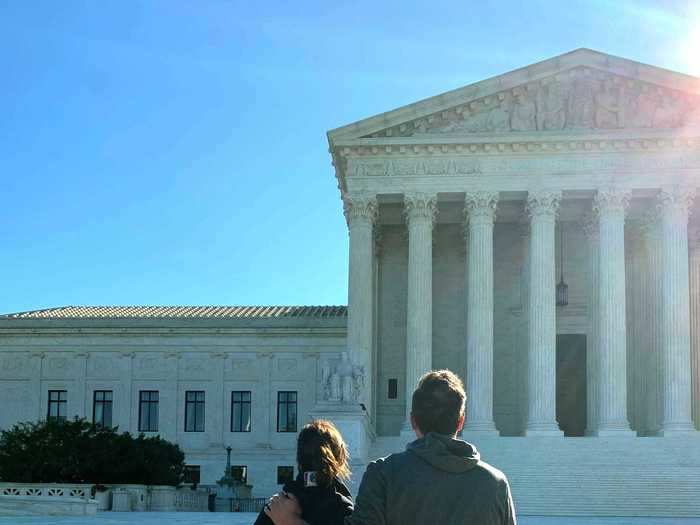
point(322, 459)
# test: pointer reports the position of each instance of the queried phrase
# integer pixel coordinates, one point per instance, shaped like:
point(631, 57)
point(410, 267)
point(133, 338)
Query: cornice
point(506, 144)
point(174, 332)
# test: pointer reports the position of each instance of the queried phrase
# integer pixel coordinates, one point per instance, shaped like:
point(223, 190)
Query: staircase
point(624, 476)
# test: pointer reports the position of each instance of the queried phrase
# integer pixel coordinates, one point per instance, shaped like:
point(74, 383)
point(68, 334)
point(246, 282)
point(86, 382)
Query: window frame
point(244, 471)
point(286, 403)
point(194, 404)
point(188, 470)
point(103, 402)
point(61, 402)
point(149, 402)
point(279, 472)
point(243, 403)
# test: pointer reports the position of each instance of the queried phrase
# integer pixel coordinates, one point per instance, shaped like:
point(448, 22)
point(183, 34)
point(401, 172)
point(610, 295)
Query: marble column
point(694, 275)
point(480, 211)
point(590, 227)
point(542, 208)
point(361, 214)
point(610, 206)
point(420, 216)
point(674, 203)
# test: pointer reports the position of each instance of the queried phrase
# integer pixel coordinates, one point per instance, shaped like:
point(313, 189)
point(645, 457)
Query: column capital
point(420, 206)
point(543, 203)
point(611, 200)
point(360, 206)
point(480, 205)
point(677, 198)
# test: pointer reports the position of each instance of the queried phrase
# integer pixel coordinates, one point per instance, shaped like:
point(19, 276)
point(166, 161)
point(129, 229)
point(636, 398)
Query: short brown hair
point(320, 448)
point(438, 402)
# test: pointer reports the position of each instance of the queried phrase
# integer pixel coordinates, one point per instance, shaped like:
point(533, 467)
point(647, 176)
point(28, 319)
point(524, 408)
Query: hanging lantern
point(562, 287)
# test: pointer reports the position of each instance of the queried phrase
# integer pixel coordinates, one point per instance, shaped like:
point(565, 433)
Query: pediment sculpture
point(580, 99)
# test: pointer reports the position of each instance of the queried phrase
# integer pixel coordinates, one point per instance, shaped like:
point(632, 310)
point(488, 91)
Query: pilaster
point(652, 320)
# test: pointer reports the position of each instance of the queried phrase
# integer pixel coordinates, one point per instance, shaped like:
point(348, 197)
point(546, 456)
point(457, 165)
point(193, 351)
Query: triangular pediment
point(580, 91)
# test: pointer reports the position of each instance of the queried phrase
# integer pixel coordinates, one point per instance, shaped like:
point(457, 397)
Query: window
point(285, 475)
point(240, 411)
point(192, 474)
point(240, 473)
point(148, 411)
point(393, 388)
point(286, 411)
point(194, 411)
point(102, 408)
point(58, 405)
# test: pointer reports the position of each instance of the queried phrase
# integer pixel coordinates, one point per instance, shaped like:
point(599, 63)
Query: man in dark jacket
point(439, 479)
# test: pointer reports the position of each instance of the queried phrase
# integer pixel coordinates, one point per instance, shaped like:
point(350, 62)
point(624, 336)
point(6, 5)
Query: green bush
point(80, 452)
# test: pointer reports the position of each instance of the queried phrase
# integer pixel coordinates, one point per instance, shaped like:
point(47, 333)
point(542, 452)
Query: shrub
point(80, 452)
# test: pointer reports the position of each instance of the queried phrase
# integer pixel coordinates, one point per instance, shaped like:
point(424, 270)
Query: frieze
point(582, 98)
point(524, 164)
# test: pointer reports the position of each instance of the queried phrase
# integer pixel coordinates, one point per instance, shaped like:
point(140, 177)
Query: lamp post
point(562, 287)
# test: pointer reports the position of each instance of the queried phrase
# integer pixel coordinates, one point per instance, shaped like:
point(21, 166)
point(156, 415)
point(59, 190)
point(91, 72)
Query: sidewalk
point(207, 518)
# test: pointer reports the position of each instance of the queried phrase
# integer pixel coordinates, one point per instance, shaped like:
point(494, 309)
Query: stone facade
point(463, 210)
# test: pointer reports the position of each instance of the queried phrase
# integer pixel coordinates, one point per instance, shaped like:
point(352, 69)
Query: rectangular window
point(240, 473)
point(393, 388)
point(240, 411)
point(286, 411)
point(192, 474)
point(194, 411)
point(58, 405)
point(285, 475)
point(102, 408)
point(148, 411)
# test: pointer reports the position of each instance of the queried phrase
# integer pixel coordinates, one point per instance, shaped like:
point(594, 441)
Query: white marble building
point(464, 211)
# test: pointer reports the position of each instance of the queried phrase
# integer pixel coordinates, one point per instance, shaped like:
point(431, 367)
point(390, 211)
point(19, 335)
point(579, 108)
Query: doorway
point(571, 384)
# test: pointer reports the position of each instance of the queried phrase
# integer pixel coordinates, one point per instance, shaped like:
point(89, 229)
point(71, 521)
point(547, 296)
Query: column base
point(481, 429)
point(613, 433)
point(543, 430)
point(677, 429)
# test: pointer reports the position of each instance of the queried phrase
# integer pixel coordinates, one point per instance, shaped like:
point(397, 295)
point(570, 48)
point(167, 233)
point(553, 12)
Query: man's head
point(438, 404)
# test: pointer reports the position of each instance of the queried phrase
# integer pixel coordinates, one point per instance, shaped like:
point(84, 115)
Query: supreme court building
point(537, 232)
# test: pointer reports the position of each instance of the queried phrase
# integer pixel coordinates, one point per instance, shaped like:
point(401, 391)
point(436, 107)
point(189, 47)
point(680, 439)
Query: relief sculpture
point(580, 99)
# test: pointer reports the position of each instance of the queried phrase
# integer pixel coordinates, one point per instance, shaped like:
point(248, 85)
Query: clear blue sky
point(174, 152)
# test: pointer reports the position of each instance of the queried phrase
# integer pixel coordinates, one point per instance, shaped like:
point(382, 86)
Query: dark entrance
point(571, 383)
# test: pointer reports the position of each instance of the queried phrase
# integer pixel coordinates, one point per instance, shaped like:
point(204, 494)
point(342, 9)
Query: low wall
point(45, 499)
point(70, 499)
point(157, 498)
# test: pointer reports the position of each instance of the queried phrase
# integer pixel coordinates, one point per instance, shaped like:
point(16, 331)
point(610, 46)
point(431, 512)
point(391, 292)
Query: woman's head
point(321, 448)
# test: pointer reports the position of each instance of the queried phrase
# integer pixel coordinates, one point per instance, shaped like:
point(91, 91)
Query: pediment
point(582, 91)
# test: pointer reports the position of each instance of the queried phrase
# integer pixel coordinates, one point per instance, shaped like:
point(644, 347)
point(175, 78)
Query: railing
point(187, 500)
point(46, 490)
point(240, 504)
